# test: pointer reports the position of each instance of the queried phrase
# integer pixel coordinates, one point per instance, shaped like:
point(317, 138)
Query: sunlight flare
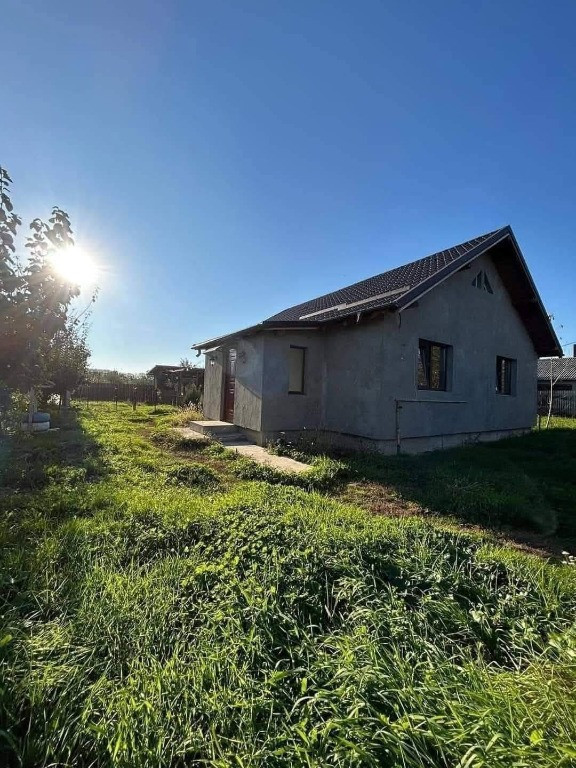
point(75, 266)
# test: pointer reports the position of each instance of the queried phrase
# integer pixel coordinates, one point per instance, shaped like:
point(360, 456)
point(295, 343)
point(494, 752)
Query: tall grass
point(151, 621)
point(518, 482)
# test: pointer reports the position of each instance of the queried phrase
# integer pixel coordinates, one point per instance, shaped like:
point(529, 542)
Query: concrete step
point(233, 438)
point(213, 428)
point(225, 433)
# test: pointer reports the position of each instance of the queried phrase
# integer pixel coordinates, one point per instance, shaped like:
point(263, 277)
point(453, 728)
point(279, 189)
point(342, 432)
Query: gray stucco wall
point(249, 369)
point(213, 372)
point(248, 394)
point(354, 374)
point(373, 364)
point(282, 411)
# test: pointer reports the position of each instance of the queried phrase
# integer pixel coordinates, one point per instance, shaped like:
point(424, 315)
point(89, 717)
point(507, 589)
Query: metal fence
point(104, 391)
point(563, 403)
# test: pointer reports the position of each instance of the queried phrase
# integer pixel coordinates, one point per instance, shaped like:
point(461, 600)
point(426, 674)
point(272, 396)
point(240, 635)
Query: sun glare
point(75, 266)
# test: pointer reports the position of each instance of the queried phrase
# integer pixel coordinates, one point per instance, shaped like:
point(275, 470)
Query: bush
point(185, 415)
point(193, 396)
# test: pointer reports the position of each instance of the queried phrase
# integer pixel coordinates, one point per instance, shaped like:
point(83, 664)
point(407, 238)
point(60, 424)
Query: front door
point(229, 386)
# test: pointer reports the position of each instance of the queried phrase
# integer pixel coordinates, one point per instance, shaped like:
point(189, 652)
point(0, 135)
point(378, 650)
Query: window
point(296, 362)
point(481, 282)
point(432, 365)
point(505, 376)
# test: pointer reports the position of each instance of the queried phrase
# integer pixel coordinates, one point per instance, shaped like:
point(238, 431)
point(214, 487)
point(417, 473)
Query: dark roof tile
point(379, 291)
point(562, 368)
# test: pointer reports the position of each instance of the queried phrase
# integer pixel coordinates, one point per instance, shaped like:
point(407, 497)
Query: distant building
point(173, 382)
point(560, 370)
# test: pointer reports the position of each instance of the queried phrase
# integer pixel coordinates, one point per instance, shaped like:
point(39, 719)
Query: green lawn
point(163, 603)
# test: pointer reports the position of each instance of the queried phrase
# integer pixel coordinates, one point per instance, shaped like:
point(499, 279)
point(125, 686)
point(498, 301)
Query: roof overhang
point(218, 341)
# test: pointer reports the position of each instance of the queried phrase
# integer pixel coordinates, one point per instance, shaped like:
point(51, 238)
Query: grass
point(526, 482)
point(159, 607)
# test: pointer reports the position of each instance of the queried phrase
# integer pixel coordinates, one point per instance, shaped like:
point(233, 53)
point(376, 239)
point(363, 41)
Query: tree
point(34, 299)
point(67, 360)
point(185, 363)
point(109, 376)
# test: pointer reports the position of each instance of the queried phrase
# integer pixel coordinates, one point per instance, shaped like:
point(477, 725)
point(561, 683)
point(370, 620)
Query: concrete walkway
point(250, 451)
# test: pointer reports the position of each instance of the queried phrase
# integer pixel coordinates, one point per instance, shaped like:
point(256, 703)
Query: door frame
point(225, 376)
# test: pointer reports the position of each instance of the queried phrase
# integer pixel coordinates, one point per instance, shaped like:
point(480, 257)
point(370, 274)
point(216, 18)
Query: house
point(432, 354)
point(172, 382)
point(561, 372)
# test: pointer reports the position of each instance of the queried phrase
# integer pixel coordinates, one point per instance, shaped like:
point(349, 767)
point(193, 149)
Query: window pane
point(296, 369)
point(507, 376)
point(436, 367)
point(432, 365)
point(504, 375)
point(423, 380)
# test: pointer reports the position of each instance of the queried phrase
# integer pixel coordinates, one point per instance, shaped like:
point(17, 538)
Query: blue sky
point(227, 159)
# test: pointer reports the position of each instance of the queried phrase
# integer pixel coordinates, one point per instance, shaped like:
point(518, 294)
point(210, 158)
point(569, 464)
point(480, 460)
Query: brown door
point(229, 386)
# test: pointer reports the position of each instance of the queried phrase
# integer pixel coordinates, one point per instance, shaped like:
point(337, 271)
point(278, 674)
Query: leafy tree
point(108, 376)
point(34, 299)
point(66, 362)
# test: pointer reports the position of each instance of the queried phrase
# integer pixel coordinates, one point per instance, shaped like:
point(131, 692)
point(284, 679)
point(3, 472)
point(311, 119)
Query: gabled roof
point(398, 288)
point(382, 290)
point(564, 368)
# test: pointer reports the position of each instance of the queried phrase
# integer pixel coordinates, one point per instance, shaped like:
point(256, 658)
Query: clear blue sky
point(229, 158)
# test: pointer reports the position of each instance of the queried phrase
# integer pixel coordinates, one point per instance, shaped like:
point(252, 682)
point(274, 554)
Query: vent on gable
point(481, 282)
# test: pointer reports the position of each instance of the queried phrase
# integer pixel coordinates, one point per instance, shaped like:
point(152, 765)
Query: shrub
point(185, 415)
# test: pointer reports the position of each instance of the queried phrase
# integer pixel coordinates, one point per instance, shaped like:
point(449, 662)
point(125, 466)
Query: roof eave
point(556, 349)
point(410, 297)
point(266, 325)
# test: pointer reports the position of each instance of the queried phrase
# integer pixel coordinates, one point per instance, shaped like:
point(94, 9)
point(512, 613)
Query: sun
point(74, 265)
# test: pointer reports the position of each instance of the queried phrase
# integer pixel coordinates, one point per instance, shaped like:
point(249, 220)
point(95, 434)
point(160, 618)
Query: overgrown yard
point(166, 604)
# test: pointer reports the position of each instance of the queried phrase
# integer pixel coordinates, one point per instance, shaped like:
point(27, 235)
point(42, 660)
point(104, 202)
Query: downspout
point(397, 423)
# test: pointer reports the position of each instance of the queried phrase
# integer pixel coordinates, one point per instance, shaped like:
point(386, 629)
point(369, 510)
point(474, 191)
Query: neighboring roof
point(564, 368)
point(169, 369)
point(161, 368)
point(398, 288)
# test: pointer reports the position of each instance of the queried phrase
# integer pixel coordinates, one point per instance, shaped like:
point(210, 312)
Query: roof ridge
point(312, 306)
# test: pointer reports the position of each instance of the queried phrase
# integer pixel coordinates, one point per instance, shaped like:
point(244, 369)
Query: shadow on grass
point(66, 455)
point(520, 484)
